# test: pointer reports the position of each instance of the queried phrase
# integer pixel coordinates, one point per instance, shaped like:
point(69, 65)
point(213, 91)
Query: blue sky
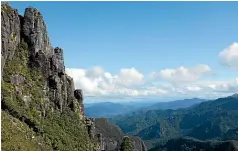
point(145, 36)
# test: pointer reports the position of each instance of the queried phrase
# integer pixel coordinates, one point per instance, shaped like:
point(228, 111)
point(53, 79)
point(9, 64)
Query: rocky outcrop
point(10, 32)
point(31, 28)
point(17, 79)
point(111, 136)
point(138, 143)
point(90, 122)
point(35, 33)
point(36, 91)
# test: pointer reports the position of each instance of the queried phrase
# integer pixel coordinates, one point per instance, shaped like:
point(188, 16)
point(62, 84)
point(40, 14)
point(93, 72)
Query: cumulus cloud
point(183, 74)
point(206, 89)
point(130, 77)
point(130, 83)
point(229, 56)
point(218, 86)
point(230, 86)
point(97, 82)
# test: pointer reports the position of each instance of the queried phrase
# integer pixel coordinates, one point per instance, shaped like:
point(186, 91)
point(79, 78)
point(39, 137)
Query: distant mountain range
point(178, 104)
point(106, 109)
point(110, 109)
point(209, 120)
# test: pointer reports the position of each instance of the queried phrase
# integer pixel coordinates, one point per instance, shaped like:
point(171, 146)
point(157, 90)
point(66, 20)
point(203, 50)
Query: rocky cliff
point(37, 94)
point(111, 136)
point(41, 110)
point(29, 34)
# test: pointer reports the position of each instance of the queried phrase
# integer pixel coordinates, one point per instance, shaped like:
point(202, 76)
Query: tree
point(126, 144)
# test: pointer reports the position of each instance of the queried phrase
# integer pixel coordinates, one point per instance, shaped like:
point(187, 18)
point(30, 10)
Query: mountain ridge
point(207, 120)
point(111, 109)
point(188, 144)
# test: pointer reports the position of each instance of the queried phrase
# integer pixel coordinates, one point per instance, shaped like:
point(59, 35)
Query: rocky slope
point(112, 136)
point(41, 110)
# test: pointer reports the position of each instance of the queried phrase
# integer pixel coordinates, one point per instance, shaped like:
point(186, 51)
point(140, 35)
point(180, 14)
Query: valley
point(44, 106)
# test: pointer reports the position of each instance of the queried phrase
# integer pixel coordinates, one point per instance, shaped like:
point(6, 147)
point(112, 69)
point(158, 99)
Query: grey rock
point(4, 3)
point(17, 79)
point(78, 94)
point(138, 143)
point(112, 136)
point(90, 123)
point(34, 30)
point(101, 142)
point(58, 61)
point(45, 106)
point(10, 33)
point(70, 90)
point(59, 87)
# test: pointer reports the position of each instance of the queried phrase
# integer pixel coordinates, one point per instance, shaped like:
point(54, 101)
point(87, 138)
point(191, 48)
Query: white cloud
point(97, 82)
point(230, 86)
point(220, 87)
point(183, 74)
point(95, 72)
point(229, 56)
point(192, 88)
point(130, 83)
point(205, 89)
point(84, 80)
point(130, 77)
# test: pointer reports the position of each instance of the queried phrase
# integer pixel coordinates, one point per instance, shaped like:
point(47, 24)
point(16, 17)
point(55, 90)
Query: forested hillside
point(216, 119)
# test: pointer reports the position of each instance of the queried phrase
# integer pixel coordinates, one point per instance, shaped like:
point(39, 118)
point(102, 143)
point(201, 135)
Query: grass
point(17, 136)
point(55, 130)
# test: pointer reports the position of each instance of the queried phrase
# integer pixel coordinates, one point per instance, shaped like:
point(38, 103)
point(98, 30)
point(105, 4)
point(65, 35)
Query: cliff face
point(36, 91)
point(111, 137)
point(41, 110)
point(10, 30)
point(31, 30)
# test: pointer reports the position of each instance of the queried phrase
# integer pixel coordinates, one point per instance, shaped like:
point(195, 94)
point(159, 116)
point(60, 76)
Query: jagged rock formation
point(36, 91)
point(10, 32)
point(31, 28)
point(41, 110)
point(90, 122)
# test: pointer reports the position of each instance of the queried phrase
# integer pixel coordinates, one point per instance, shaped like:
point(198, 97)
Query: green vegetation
point(66, 132)
point(25, 127)
point(17, 136)
point(208, 120)
point(190, 144)
point(126, 144)
point(32, 87)
point(13, 37)
point(6, 8)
